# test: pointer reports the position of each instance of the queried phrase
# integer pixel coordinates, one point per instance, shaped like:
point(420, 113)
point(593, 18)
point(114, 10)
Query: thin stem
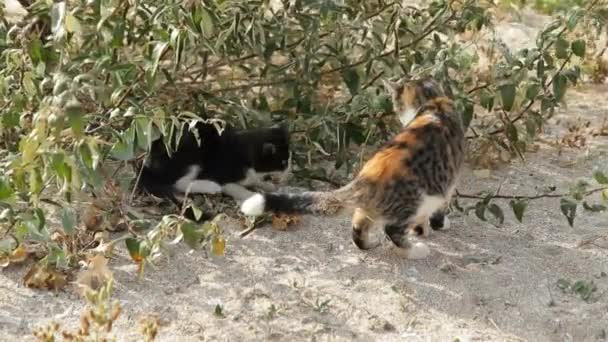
point(534, 197)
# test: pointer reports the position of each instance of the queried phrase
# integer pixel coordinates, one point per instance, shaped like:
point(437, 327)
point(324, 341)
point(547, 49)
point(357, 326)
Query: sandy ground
point(310, 283)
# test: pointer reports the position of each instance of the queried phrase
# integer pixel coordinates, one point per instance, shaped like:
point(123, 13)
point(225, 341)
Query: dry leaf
point(44, 278)
point(96, 274)
point(92, 218)
point(281, 221)
point(18, 255)
point(105, 247)
point(218, 244)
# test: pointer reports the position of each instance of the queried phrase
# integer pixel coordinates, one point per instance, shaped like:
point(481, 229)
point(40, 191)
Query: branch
point(534, 197)
point(533, 101)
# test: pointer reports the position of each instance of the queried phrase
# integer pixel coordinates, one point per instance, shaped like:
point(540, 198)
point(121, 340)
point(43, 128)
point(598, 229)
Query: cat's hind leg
point(198, 186)
point(361, 226)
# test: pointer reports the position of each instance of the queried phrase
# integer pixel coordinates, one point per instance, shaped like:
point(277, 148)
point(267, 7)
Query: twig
point(258, 84)
point(535, 197)
point(326, 180)
point(248, 231)
point(136, 184)
point(478, 87)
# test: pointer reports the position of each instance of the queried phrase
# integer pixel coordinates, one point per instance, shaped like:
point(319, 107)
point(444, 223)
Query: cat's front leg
point(237, 191)
point(266, 186)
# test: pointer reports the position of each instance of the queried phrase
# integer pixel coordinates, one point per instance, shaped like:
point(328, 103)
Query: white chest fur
point(406, 116)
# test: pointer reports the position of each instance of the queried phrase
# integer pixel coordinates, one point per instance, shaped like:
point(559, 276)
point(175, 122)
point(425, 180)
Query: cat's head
point(408, 96)
point(271, 154)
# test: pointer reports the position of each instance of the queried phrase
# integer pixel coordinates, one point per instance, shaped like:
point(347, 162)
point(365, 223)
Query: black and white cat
point(229, 162)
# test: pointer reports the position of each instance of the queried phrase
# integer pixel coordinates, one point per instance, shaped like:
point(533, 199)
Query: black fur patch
point(223, 159)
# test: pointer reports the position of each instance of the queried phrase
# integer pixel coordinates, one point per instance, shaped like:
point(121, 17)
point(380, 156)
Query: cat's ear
point(269, 148)
point(430, 88)
point(391, 87)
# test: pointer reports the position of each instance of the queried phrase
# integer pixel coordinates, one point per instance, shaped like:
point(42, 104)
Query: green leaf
point(594, 207)
point(218, 311)
point(512, 133)
point(578, 47)
point(68, 220)
point(560, 83)
point(486, 99)
point(480, 210)
point(563, 284)
point(6, 192)
point(568, 208)
point(192, 234)
point(507, 94)
point(351, 79)
point(36, 182)
point(124, 149)
point(72, 24)
point(40, 219)
point(584, 289)
point(519, 207)
point(159, 49)
point(532, 91)
point(561, 48)
point(497, 212)
point(600, 177)
point(574, 17)
point(540, 69)
point(531, 126)
point(207, 22)
point(137, 249)
point(75, 116)
point(198, 213)
point(35, 50)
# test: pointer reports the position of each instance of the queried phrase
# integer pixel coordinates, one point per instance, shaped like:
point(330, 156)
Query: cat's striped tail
point(309, 202)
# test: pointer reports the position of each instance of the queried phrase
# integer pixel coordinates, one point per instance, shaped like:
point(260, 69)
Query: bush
point(85, 86)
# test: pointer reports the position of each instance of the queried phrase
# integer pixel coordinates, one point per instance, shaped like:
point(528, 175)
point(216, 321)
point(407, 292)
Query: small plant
point(273, 311)
point(100, 313)
point(95, 322)
point(219, 311)
point(582, 288)
point(322, 307)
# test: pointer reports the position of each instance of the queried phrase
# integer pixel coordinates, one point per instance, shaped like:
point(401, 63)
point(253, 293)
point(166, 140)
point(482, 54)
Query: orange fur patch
point(443, 104)
point(385, 164)
point(408, 96)
point(423, 119)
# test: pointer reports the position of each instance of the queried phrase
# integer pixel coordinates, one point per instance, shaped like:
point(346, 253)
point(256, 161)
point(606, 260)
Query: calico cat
point(228, 162)
point(407, 183)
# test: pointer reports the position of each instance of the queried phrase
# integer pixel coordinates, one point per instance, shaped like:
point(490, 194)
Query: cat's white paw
point(446, 223)
point(419, 251)
point(254, 205)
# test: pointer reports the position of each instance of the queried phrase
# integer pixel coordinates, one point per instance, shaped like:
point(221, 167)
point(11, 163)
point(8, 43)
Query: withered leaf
point(44, 278)
point(96, 274)
point(282, 221)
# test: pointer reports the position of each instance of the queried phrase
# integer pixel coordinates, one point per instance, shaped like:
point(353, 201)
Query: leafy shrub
point(85, 86)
